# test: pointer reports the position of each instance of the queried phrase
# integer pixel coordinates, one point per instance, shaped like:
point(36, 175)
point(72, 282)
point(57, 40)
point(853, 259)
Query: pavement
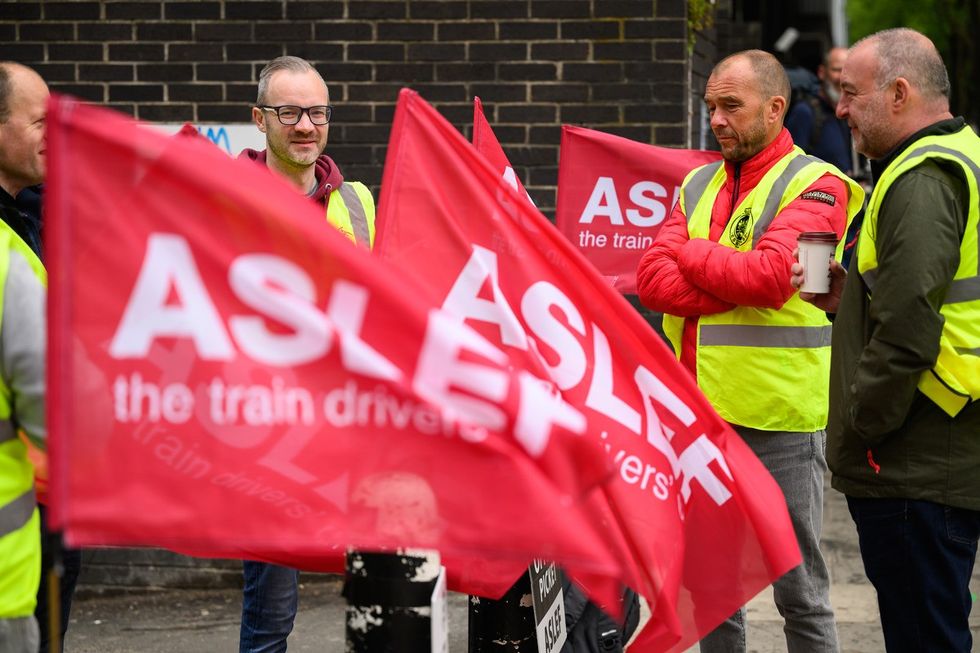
point(206, 621)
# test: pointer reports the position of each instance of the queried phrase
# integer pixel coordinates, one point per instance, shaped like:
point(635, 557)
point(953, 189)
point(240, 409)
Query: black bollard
point(390, 603)
point(504, 625)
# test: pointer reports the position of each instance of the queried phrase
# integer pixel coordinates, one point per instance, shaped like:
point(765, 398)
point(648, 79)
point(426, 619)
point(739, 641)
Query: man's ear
point(258, 117)
point(777, 106)
point(902, 94)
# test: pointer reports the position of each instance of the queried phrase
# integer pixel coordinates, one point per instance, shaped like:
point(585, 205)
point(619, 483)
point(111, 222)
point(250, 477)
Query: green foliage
point(951, 24)
point(700, 16)
point(869, 16)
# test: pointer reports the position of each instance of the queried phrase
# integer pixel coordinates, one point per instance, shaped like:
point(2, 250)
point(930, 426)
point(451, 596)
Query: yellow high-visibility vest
point(350, 209)
point(761, 368)
point(20, 534)
point(955, 380)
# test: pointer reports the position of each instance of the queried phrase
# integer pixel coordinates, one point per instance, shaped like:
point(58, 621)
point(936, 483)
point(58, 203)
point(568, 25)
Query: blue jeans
point(269, 600)
point(802, 595)
point(919, 556)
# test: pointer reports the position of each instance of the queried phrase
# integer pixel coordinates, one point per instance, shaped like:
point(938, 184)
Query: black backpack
point(805, 88)
point(590, 630)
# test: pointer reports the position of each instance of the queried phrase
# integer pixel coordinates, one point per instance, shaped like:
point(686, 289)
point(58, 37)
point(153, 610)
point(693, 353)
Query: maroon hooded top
point(328, 177)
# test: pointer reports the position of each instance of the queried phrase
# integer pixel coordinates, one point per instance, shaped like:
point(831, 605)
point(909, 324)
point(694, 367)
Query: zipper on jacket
point(738, 179)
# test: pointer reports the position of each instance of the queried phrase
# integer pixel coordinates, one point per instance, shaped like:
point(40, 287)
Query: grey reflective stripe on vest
point(968, 289)
point(358, 220)
point(697, 185)
point(749, 335)
point(7, 431)
point(967, 351)
point(764, 219)
point(960, 290)
point(16, 513)
point(970, 163)
point(963, 290)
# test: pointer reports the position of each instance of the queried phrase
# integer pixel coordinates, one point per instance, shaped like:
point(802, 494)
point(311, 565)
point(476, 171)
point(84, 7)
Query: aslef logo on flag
point(231, 377)
point(454, 222)
point(614, 194)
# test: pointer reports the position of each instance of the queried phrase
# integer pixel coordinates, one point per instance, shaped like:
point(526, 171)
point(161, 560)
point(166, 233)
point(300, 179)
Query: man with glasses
point(293, 111)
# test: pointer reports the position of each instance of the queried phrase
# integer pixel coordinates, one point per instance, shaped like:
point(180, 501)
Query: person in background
point(815, 127)
point(812, 122)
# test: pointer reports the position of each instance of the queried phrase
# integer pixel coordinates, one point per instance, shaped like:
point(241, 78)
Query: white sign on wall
point(232, 138)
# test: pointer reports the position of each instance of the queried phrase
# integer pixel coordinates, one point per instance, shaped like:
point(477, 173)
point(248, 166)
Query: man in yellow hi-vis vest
point(23, 282)
point(293, 111)
point(719, 271)
point(904, 429)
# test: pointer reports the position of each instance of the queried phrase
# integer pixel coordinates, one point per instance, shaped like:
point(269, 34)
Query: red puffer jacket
point(690, 277)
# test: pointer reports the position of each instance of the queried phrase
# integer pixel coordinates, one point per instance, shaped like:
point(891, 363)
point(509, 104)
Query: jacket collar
point(327, 174)
point(943, 127)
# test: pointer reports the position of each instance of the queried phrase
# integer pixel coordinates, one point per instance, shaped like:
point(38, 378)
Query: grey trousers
point(797, 462)
point(19, 635)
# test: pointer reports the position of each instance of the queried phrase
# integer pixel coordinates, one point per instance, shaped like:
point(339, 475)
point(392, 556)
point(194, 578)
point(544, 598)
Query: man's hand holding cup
point(817, 275)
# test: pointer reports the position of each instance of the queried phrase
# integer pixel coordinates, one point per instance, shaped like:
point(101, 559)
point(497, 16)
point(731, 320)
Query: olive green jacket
point(884, 437)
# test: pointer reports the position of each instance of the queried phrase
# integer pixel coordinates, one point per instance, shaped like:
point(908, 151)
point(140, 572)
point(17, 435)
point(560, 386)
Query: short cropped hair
point(904, 52)
point(6, 88)
point(769, 73)
point(290, 63)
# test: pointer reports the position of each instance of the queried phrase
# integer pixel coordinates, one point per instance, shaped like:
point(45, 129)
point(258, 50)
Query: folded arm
point(660, 283)
point(761, 277)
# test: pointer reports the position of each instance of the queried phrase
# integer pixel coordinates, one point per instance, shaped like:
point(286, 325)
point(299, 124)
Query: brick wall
point(614, 65)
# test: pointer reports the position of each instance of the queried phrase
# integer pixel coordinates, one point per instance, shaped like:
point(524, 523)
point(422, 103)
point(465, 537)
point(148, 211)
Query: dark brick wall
point(614, 65)
point(703, 57)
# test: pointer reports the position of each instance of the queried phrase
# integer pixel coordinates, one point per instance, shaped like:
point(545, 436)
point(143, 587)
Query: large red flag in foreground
point(614, 194)
point(229, 376)
point(696, 518)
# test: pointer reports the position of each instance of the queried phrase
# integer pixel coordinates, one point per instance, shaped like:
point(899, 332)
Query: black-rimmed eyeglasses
point(289, 114)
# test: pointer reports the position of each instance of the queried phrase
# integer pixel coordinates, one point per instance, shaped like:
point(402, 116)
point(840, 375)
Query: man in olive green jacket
point(905, 456)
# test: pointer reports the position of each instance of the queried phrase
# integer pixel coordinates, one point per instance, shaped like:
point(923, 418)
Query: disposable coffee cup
point(816, 253)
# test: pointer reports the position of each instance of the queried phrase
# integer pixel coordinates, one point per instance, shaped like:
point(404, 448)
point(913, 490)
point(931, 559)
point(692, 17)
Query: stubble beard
point(873, 138)
point(282, 151)
point(748, 145)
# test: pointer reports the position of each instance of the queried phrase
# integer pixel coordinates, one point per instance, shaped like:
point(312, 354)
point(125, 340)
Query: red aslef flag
point(698, 521)
point(229, 376)
point(605, 591)
point(614, 194)
point(486, 143)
